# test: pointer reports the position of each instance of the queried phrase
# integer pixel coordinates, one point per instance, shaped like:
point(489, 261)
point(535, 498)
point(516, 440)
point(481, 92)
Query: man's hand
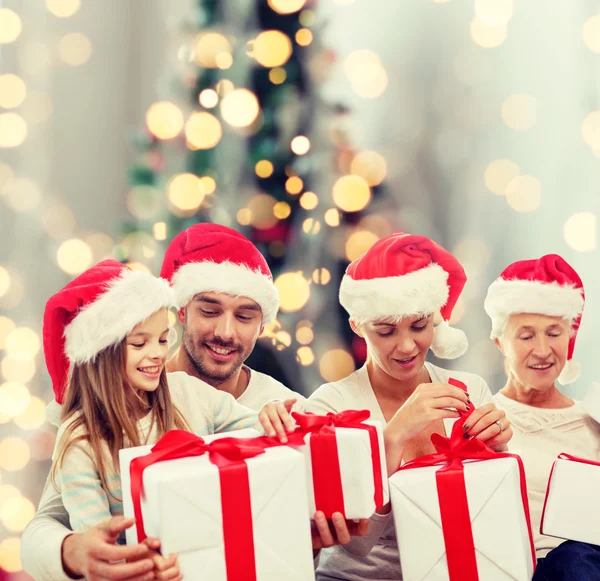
point(96, 556)
point(338, 531)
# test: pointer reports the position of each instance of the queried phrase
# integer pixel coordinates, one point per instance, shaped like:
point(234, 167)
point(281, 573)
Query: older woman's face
point(399, 348)
point(535, 347)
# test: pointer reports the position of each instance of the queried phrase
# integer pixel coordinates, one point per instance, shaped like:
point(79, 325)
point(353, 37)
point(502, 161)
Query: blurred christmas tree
point(245, 140)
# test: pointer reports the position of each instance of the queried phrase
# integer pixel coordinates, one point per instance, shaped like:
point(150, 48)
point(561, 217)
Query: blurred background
point(313, 127)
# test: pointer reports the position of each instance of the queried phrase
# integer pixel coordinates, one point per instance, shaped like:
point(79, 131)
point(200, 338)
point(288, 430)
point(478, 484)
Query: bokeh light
point(6, 328)
point(591, 33)
point(336, 364)
point(321, 276)
point(209, 47)
point(74, 256)
point(4, 281)
point(13, 129)
point(10, 26)
point(14, 398)
point(499, 173)
point(14, 454)
point(332, 217)
point(16, 513)
point(524, 193)
point(75, 49)
point(240, 108)
point(488, 36)
point(22, 194)
point(59, 221)
point(22, 343)
point(358, 243)
point(519, 112)
point(185, 192)
point(271, 48)
point(351, 193)
point(63, 8)
point(309, 200)
point(300, 145)
point(286, 6)
point(305, 356)
point(580, 232)
point(369, 165)
point(294, 185)
point(494, 12)
point(304, 37)
point(262, 211)
point(203, 130)
point(33, 417)
point(208, 98)
point(293, 290)
point(263, 168)
point(281, 210)
point(12, 91)
point(164, 119)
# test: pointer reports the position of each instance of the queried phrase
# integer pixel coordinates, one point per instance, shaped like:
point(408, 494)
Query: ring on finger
point(500, 427)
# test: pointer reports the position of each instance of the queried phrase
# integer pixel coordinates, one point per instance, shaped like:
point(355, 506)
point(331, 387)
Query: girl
point(105, 343)
point(394, 293)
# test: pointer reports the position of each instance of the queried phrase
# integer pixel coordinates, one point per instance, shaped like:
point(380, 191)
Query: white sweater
point(263, 389)
point(207, 410)
point(374, 556)
point(539, 436)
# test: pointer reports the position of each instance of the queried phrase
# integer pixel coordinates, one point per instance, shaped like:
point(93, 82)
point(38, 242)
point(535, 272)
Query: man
point(225, 296)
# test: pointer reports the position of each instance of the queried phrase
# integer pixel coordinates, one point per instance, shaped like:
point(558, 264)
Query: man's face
point(219, 333)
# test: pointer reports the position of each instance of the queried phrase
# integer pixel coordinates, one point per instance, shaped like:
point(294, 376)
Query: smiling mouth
point(153, 370)
point(406, 360)
point(541, 366)
point(220, 350)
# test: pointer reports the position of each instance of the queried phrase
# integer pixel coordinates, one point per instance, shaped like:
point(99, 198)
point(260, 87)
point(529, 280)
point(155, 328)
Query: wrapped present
point(345, 461)
point(234, 509)
point(569, 511)
point(462, 514)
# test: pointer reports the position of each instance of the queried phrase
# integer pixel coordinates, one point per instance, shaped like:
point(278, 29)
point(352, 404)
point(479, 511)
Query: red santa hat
point(94, 311)
point(404, 275)
point(209, 257)
point(547, 286)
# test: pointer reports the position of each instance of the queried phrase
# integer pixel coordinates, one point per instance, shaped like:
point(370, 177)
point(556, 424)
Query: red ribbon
point(327, 477)
point(228, 455)
point(452, 495)
point(561, 456)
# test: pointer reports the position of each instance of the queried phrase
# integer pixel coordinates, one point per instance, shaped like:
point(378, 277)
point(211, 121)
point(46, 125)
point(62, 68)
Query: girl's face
point(146, 352)
point(399, 348)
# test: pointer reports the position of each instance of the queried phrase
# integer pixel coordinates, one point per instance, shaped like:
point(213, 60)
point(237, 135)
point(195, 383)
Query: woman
point(394, 295)
point(536, 307)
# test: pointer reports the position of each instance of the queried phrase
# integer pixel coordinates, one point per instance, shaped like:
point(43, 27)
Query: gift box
point(345, 463)
point(234, 509)
point(569, 508)
point(462, 514)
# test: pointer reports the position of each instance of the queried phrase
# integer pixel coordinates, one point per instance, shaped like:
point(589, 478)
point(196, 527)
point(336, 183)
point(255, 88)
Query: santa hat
point(209, 257)
point(404, 275)
point(94, 311)
point(547, 286)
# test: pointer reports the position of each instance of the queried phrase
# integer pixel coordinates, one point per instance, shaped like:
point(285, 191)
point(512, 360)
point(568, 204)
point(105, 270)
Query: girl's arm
point(228, 414)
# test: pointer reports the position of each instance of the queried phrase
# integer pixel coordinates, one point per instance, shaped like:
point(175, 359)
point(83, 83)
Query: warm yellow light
point(208, 98)
point(74, 256)
point(6, 328)
point(164, 120)
point(373, 89)
point(263, 168)
point(12, 91)
point(22, 195)
point(244, 216)
point(59, 221)
point(351, 193)
point(300, 145)
point(22, 343)
point(494, 12)
point(224, 87)
point(294, 291)
point(294, 185)
point(210, 47)
point(277, 75)
point(224, 60)
point(284, 338)
point(203, 130)
point(321, 276)
point(63, 8)
point(33, 417)
point(208, 185)
point(286, 6)
point(13, 129)
point(309, 200)
point(159, 230)
point(304, 37)
point(336, 364)
point(376, 224)
point(4, 281)
point(362, 66)
point(590, 129)
point(358, 243)
point(14, 398)
point(332, 217)
point(271, 48)
point(102, 245)
point(498, 175)
point(311, 226)
point(10, 548)
point(304, 335)
point(184, 192)
point(10, 26)
point(305, 356)
point(240, 108)
point(580, 232)
point(16, 513)
point(591, 33)
point(487, 36)
point(371, 166)
point(262, 211)
point(524, 193)
point(282, 210)
point(519, 112)
point(75, 48)
point(14, 454)
point(17, 371)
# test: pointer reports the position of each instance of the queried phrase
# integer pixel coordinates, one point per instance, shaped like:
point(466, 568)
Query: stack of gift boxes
point(237, 506)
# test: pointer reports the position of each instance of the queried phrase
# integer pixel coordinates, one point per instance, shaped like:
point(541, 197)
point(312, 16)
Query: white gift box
point(356, 471)
point(182, 507)
point(570, 510)
point(498, 521)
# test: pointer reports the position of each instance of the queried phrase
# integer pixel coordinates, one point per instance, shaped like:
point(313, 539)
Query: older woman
point(393, 293)
point(536, 307)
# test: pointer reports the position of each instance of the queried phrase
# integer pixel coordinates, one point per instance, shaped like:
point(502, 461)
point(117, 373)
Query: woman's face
point(399, 348)
point(535, 347)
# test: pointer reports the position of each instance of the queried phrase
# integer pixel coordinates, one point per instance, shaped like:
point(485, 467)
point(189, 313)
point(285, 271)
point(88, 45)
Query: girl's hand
point(490, 425)
point(276, 420)
point(166, 568)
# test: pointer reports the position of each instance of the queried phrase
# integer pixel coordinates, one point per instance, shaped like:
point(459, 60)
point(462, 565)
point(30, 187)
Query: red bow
point(327, 477)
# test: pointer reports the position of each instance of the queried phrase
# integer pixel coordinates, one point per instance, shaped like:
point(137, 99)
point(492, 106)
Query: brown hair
point(99, 395)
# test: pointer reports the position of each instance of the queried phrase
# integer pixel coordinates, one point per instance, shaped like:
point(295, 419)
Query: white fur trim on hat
point(129, 300)
point(421, 292)
point(570, 373)
point(448, 342)
point(226, 277)
point(509, 297)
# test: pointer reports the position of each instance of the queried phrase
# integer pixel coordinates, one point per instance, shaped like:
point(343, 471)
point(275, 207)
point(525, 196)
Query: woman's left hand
point(488, 424)
point(276, 420)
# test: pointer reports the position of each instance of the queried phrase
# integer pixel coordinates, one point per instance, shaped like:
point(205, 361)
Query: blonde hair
point(98, 401)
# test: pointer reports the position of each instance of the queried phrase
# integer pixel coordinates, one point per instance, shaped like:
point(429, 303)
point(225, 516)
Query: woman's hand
point(429, 403)
point(276, 420)
point(490, 425)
